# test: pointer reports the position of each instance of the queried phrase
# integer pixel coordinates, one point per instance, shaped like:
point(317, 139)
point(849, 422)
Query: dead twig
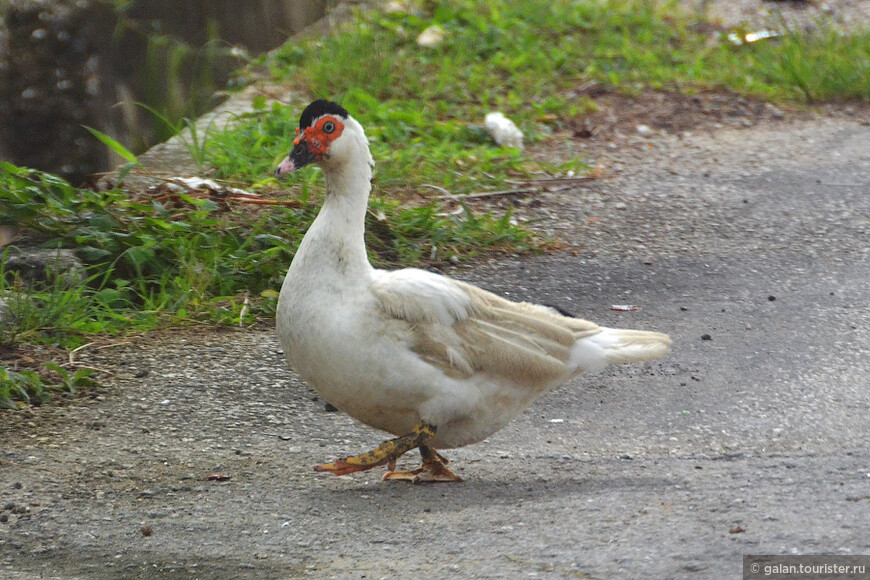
point(526, 186)
point(244, 311)
point(264, 201)
point(481, 194)
point(73, 352)
point(579, 179)
point(209, 189)
point(9, 463)
point(441, 189)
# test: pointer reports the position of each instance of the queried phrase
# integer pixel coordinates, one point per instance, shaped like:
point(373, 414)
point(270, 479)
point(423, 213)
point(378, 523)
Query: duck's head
point(327, 135)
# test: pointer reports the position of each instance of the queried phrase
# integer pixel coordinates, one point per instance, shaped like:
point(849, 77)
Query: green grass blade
point(113, 145)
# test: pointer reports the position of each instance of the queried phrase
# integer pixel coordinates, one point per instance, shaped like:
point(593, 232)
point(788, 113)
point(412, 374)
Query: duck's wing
point(464, 330)
point(418, 296)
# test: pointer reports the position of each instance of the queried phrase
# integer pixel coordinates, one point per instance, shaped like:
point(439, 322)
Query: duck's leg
point(385, 453)
point(434, 469)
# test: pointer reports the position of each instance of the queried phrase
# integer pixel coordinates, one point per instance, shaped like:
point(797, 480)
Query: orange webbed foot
point(384, 454)
point(433, 470)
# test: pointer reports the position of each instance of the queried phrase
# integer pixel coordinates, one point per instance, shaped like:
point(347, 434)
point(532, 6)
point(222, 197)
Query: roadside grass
point(423, 107)
point(153, 260)
point(825, 65)
point(528, 58)
point(180, 259)
point(411, 148)
point(28, 387)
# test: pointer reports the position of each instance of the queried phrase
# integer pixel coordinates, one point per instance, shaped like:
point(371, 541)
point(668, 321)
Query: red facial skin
point(314, 142)
point(318, 137)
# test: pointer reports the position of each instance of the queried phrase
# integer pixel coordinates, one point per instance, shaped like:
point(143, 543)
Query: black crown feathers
point(319, 108)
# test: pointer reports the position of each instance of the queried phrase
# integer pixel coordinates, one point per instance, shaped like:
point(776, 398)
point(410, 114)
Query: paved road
point(755, 440)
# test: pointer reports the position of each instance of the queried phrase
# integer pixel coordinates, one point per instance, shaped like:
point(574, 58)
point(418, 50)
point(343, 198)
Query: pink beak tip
point(286, 166)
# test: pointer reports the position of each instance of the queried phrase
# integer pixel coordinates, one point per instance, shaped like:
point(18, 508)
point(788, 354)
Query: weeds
point(422, 106)
point(524, 57)
point(152, 259)
point(410, 147)
point(54, 313)
point(147, 255)
point(814, 67)
point(29, 387)
point(26, 386)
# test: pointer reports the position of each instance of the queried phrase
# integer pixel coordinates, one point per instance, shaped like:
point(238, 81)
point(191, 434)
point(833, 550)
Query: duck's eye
point(328, 127)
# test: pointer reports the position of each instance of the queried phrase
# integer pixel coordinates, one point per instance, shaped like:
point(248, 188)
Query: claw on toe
point(433, 470)
point(344, 466)
point(424, 475)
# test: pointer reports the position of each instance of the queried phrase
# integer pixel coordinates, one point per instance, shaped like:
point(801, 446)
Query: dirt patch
point(686, 138)
point(621, 131)
point(621, 115)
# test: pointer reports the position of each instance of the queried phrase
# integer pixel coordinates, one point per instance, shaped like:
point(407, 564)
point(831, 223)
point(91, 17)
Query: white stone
point(431, 37)
point(645, 131)
point(503, 130)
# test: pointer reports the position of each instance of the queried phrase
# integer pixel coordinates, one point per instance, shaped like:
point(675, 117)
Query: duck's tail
point(618, 346)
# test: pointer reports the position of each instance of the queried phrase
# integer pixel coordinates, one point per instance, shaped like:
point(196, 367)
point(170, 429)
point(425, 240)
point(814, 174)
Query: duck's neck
point(336, 240)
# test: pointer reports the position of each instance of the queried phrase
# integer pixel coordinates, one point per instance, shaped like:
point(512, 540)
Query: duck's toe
point(433, 470)
point(426, 474)
point(348, 465)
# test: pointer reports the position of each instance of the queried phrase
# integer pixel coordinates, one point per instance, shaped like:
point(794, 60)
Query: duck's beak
point(299, 156)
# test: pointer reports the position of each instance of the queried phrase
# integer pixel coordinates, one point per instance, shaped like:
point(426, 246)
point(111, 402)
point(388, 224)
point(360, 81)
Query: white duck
point(434, 361)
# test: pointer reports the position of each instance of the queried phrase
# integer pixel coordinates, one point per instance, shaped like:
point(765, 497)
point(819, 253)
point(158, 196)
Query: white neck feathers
point(336, 239)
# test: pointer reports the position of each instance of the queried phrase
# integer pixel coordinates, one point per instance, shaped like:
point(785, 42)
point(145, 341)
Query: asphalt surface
point(751, 248)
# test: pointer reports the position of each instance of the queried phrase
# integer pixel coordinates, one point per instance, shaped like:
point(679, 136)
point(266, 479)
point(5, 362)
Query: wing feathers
point(507, 353)
point(419, 296)
point(441, 346)
point(464, 330)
